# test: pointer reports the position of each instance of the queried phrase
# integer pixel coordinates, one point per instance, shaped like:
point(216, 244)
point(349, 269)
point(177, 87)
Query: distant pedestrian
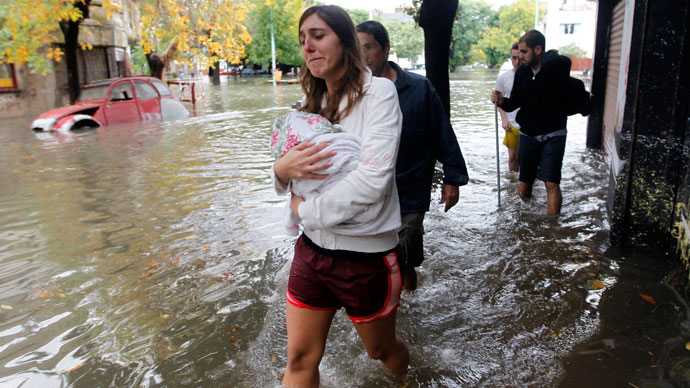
point(540, 91)
point(427, 137)
point(504, 84)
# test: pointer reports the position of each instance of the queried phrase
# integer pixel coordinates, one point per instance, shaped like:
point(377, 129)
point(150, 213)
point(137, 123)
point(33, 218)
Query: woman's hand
point(302, 162)
point(295, 200)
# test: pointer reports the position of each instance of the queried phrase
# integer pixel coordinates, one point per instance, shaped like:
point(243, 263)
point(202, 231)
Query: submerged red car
point(114, 101)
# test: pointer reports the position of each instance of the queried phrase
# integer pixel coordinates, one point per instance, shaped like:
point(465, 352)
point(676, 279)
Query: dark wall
point(599, 72)
point(654, 140)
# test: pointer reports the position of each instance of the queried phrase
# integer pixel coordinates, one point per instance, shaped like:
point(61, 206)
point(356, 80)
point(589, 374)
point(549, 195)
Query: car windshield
point(93, 93)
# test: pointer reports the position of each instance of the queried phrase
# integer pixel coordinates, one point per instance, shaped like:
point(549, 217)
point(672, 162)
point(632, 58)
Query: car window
point(121, 92)
point(162, 89)
point(93, 93)
point(144, 90)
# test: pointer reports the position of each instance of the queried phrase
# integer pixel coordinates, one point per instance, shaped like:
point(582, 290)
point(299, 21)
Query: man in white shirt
point(504, 84)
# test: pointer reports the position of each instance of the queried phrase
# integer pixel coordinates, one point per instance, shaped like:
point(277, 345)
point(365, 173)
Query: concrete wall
point(37, 94)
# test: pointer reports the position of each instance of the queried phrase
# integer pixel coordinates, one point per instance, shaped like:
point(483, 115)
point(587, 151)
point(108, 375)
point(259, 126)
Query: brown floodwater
point(153, 255)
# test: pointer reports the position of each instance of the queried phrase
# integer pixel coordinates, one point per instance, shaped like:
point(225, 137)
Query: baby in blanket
point(296, 127)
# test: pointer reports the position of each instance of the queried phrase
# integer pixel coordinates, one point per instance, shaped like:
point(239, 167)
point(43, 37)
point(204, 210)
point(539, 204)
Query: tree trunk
point(436, 17)
point(70, 30)
point(157, 63)
point(215, 76)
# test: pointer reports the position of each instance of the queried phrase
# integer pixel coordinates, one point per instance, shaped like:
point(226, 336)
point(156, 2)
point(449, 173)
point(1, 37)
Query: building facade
point(568, 22)
point(641, 120)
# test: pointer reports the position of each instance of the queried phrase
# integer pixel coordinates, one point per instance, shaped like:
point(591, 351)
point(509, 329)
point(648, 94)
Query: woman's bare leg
point(307, 331)
point(382, 344)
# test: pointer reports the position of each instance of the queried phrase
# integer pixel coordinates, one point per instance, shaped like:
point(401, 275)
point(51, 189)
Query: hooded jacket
point(427, 136)
point(542, 98)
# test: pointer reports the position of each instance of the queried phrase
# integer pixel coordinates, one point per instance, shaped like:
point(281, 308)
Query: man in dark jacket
point(427, 136)
point(540, 91)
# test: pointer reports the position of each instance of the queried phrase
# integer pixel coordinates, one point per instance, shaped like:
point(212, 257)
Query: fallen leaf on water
point(61, 295)
point(233, 340)
point(226, 276)
point(206, 246)
point(6, 307)
point(234, 329)
point(152, 264)
point(687, 344)
point(165, 316)
point(647, 298)
point(72, 369)
point(592, 274)
point(274, 358)
point(598, 284)
point(554, 335)
point(45, 294)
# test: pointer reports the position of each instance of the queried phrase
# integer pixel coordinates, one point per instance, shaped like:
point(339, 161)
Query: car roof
point(108, 81)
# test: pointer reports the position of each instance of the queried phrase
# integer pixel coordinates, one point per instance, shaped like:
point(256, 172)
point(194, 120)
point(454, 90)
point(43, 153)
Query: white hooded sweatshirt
point(377, 120)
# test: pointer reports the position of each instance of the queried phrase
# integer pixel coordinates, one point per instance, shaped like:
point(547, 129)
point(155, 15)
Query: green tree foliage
point(139, 63)
point(286, 16)
point(494, 42)
point(407, 40)
point(472, 17)
point(572, 50)
point(358, 15)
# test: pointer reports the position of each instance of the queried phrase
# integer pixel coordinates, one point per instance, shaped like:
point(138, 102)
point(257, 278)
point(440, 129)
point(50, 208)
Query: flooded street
point(154, 255)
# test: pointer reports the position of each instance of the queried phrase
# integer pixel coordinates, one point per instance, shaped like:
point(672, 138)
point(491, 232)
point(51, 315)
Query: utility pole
point(273, 51)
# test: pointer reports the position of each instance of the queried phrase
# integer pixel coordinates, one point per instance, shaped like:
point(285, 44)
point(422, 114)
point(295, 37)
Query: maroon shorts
point(368, 285)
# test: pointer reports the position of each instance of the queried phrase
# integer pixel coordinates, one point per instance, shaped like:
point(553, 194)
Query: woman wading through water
point(358, 270)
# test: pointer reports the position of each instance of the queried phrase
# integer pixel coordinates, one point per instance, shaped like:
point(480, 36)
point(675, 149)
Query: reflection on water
point(154, 255)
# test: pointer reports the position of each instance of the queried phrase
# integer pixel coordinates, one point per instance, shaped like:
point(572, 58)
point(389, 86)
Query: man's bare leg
point(525, 189)
point(554, 199)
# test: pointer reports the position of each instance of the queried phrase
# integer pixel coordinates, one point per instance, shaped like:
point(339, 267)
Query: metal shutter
point(612, 75)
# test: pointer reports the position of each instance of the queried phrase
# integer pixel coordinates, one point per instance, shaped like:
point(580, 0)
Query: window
point(570, 28)
point(93, 93)
point(121, 92)
point(162, 89)
point(8, 78)
point(144, 90)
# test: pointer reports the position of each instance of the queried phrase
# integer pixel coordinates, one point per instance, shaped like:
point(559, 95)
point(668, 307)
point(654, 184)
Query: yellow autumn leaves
point(203, 30)
point(29, 28)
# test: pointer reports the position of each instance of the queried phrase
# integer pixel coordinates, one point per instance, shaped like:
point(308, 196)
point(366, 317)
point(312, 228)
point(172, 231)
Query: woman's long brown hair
point(351, 83)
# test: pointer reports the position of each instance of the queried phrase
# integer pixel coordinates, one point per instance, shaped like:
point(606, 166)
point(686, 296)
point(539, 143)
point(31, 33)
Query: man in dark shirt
point(539, 90)
point(427, 136)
